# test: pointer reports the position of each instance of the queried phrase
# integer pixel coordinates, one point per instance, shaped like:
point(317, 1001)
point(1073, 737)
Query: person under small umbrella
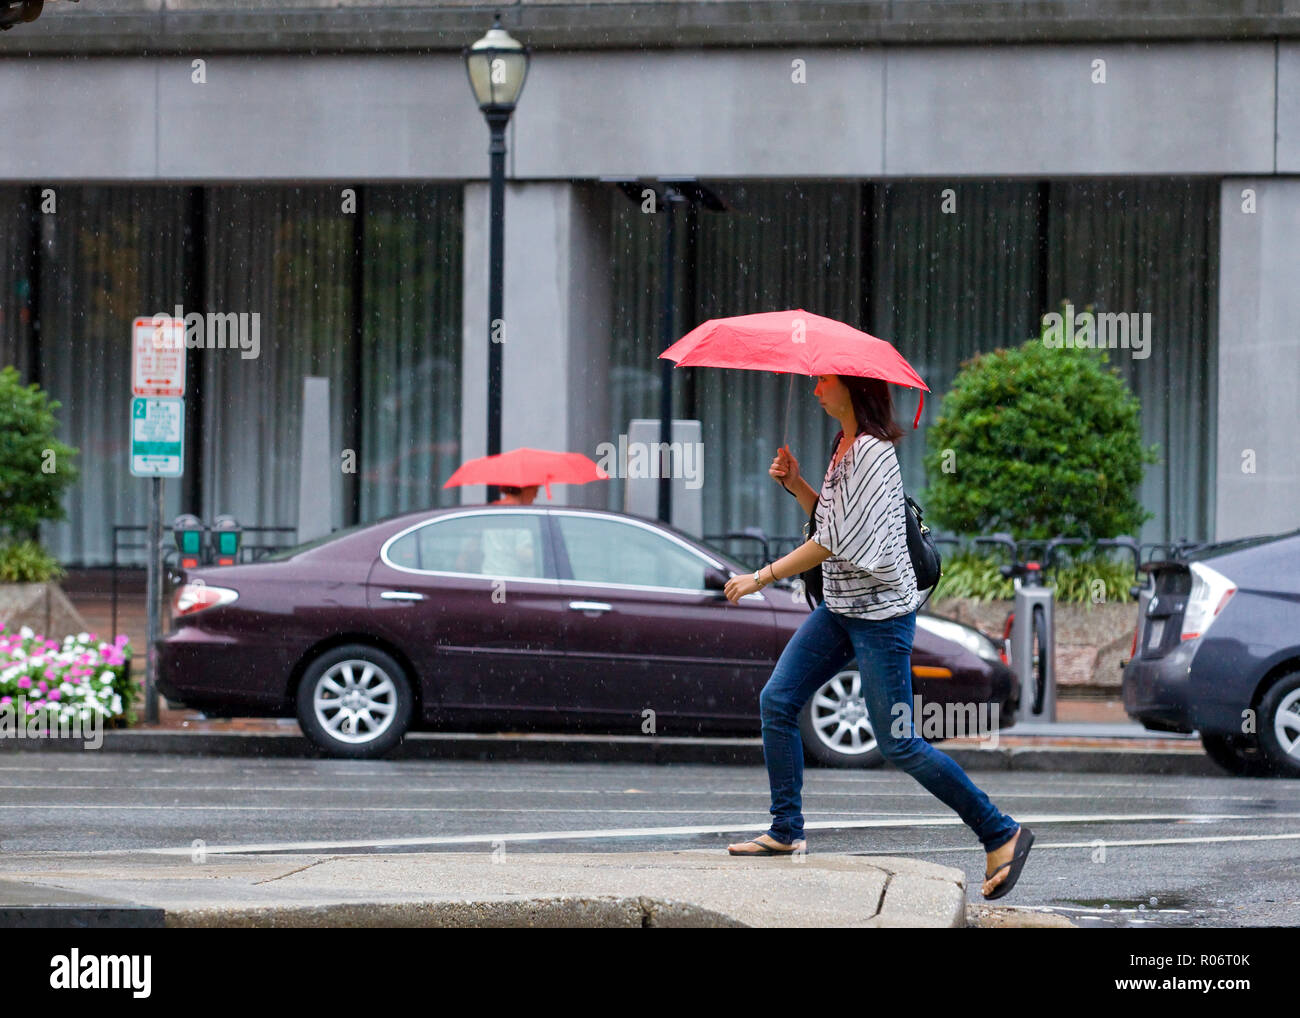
point(511, 495)
point(518, 474)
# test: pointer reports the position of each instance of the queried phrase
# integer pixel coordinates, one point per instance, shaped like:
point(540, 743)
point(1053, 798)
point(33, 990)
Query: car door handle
point(590, 606)
point(401, 595)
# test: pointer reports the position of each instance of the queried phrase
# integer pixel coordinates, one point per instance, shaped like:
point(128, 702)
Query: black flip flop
point(767, 849)
point(1017, 863)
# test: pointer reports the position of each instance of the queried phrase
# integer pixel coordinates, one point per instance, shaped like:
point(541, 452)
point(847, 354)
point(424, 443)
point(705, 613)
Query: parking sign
point(157, 436)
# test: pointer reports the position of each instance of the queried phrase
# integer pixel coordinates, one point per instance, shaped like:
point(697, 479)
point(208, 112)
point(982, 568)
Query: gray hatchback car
point(1217, 651)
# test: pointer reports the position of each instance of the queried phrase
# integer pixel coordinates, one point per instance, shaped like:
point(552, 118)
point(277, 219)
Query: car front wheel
point(834, 725)
point(354, 701)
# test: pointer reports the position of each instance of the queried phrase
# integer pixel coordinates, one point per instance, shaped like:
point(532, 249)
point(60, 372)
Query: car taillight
point(1210, 593)
point(1005, 649)
point(1133, 650)
point(194, 597)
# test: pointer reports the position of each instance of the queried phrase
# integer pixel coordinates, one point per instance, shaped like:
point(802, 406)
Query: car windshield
point(298, 549)
point(1226, 547)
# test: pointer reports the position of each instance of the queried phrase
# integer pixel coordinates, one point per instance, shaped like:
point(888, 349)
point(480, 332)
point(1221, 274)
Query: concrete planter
point(43, 606)
point(1091, 639)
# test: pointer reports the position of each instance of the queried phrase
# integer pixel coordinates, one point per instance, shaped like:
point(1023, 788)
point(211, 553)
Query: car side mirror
point(714, 579)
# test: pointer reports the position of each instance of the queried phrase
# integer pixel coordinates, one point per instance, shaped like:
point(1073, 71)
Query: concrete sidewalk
point(474, 889)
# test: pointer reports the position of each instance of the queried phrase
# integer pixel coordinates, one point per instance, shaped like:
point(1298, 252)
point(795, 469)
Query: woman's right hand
point(785, 468)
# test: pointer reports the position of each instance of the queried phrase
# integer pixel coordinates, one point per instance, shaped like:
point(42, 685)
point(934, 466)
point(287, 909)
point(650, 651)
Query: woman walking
point(868, 612)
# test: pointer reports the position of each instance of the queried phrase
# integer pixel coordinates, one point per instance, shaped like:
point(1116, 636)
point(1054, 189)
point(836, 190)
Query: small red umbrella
point(522, 468)
point(794, 342)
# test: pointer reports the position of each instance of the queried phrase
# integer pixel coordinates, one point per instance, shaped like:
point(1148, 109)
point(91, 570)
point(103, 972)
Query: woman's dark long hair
point(873, 407)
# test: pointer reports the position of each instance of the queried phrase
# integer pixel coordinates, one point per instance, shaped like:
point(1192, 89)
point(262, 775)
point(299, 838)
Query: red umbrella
point(522, 468)
point(794, 342)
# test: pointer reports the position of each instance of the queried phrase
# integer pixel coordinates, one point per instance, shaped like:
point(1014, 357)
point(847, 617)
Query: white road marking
point(646, 832)
point(1110, 842)
point(754, 791)
point(131, 807)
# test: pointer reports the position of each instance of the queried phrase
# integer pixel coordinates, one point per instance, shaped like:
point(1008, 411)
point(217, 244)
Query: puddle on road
point(1153, 910)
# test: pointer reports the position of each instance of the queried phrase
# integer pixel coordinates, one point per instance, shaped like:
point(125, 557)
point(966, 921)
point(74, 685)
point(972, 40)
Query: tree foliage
point(35, 467)
point(1039, 442)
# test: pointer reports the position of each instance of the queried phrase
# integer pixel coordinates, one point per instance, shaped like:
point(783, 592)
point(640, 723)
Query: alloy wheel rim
point(355, 701)
point(1286, 724)
point(839, 716)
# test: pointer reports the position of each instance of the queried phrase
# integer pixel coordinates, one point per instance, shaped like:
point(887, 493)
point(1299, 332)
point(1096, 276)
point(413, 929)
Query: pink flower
point(6, 699)
point(25, 682)
point(54, 694)
point(122, 640)
point(51, 674)
point(74, 680)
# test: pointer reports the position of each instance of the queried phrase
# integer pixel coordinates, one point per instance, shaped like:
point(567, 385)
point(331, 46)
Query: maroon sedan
point(522, 617)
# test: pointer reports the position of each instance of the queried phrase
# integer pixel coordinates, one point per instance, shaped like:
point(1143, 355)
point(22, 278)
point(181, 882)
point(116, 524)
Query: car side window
point(608, 551)
point(485, 544)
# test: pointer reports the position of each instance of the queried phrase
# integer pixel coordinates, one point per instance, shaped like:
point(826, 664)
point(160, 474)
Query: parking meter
point(226, 536)
point(188, 533)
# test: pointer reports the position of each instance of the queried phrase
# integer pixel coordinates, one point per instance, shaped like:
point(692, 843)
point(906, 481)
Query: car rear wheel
point(1237, 754)
point(834, 725)
point(354, 701)
point(1279, 724)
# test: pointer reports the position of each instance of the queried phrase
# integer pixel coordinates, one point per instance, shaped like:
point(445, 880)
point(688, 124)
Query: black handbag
point(927, 563)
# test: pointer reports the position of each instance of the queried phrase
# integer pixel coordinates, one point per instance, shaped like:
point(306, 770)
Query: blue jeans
point(823, 646)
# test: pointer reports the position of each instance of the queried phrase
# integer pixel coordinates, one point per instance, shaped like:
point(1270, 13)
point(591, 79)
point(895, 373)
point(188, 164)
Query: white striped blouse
point(860, 522)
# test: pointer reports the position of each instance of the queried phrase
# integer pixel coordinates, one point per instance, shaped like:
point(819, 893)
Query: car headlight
point(1210, 593)
point(972, 639)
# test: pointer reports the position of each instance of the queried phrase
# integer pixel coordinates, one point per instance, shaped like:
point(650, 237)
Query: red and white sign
point(158, 357)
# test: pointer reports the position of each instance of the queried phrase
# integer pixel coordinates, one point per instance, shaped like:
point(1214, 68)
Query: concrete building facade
point(189, 93)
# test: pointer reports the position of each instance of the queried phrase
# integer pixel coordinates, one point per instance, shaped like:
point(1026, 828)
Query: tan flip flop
point(768, 849)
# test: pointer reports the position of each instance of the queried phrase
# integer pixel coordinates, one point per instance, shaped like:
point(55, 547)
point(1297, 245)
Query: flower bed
point(80, 676)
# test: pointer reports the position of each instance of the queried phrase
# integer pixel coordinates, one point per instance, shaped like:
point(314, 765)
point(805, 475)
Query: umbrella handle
point(786, 430)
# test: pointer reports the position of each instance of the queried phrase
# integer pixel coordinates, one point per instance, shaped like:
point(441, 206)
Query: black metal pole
point(153, 586)
point(497, 120)
point(666, 366)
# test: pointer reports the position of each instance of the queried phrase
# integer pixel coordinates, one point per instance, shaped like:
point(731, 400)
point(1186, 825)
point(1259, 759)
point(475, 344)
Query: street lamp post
point(497, 65)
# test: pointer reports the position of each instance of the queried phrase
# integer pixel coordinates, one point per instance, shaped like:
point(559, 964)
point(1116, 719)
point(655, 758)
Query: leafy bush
point(970, 573)
point(1039, 442)
point(27, 562)
point(35, 467)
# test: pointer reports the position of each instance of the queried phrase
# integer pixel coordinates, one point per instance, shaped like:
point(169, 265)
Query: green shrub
point(27, 562)
point(970, 573)
point(1039, 442)
point(35, 467)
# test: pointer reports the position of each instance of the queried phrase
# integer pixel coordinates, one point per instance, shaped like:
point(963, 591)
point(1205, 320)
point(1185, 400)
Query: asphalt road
point(1112, 850)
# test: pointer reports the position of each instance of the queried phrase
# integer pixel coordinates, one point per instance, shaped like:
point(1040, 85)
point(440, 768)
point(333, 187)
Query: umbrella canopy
point(522, 468)
point(794, 342)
